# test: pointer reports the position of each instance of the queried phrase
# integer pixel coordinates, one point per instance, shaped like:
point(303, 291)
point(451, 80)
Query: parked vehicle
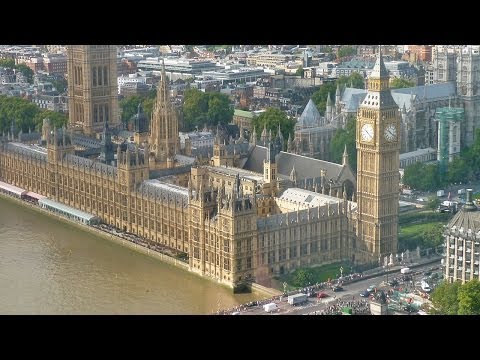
point(270, 307)
point(297, 299)
point(365, 293)
point(322, 295)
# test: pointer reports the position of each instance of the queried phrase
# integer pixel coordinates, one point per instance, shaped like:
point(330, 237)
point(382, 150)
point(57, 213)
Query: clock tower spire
point(378, 147)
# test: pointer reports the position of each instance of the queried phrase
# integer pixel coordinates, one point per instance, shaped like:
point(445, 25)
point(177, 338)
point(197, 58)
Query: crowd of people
point(358, 307)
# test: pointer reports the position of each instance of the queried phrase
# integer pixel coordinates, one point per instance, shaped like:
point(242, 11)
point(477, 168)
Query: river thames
point(50, 267)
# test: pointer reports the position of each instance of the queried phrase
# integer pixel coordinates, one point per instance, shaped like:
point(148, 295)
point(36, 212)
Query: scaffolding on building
point(446, 116)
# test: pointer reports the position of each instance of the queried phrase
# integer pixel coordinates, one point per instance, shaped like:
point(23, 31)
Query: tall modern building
point(92, 87)
point(378, 147)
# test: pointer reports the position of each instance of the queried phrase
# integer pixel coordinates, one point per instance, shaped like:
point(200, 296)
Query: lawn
point(319, 273)
point(416, 223)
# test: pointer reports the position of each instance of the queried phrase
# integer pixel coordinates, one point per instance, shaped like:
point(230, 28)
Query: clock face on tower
point(367, 132)
point(390, 132)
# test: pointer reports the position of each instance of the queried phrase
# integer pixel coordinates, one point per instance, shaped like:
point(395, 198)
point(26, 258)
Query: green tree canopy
point(354, 80)
point(26, 71)
point(401, 83)
point(433, 202)
point(25, 115)
point(320, 96)
point(469, 298)
point(201, 108)
point(345, 137)
point(445, 298)
point(270, 119)
point(129, 106)
point(421, 176)
point(8, 63)
point(303, 277)
point(346, 51)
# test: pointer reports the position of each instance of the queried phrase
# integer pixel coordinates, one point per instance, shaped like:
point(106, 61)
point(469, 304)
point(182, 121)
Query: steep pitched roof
point(310, 116)
point(305, 167)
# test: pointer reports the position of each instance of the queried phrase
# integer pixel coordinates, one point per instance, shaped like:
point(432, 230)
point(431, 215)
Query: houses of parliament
point(250, 213)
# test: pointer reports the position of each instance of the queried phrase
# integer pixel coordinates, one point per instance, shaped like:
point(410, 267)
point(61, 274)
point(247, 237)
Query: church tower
point(164, 140)
point(378, 146)
point(92, 87)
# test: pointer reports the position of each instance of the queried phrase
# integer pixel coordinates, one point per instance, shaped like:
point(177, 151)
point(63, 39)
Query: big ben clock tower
point(378, 146)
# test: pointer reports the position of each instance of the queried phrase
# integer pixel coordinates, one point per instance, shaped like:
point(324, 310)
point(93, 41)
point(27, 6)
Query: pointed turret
point(289, 143)
point(293, 174)
point(263, 136)
point(241, 132)
point(164, 138)
point(329, 109)
point(345, 156)
point(253, 139)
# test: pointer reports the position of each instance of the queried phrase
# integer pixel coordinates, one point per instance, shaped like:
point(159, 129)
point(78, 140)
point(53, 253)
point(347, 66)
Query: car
point(321, 295)
point(372, 288)
point(337, 288)
point(365, 293)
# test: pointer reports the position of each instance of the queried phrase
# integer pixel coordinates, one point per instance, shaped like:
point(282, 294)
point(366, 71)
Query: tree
point(26, 115)
point(303, 277)
point(469, 298)
point(320, 96)
point(433, 237)
point(459, 170)
point(27, 72)
point(299, 71)
point(270, 119)
point(346, 51)
point(219, 109)
point(433, 202)
point(56, 118)
point(8, 63)
point(401, 83)
point(445, 298)
point(200, 108)
point(422, 176)
point(129, 106)
point(354, 80)
point(345, 137)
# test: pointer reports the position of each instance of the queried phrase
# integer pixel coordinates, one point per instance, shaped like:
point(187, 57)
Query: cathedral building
point(252, 213)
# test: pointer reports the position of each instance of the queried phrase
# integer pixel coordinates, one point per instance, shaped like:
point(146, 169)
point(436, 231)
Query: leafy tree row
point(456, 298)
point(270, 119)
point(200, 108)
point(397, 83)
point(346, 51)
point(129, 105)
point(464, 168)
point(26, 115)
